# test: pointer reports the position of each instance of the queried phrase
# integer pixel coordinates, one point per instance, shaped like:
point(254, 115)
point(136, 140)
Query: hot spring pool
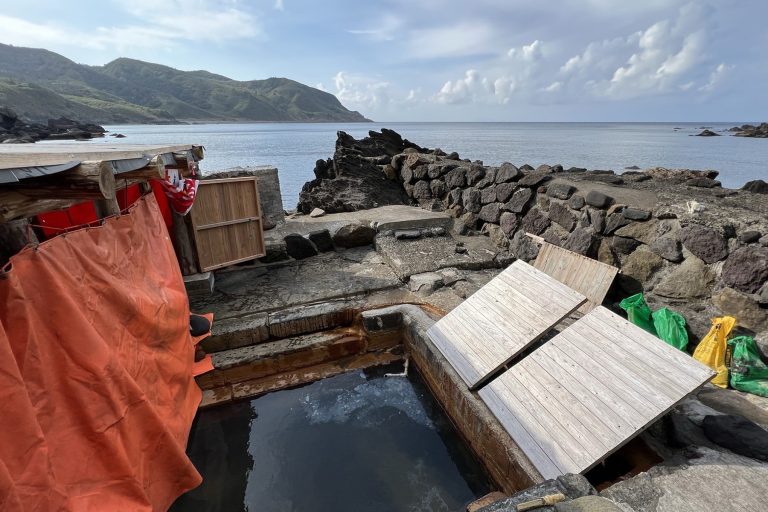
point(357, 442)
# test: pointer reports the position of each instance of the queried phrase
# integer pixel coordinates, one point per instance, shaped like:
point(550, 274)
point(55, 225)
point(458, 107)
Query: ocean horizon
point(295, 147)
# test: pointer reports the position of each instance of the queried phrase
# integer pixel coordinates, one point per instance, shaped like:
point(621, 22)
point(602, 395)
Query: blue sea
point(294, 148)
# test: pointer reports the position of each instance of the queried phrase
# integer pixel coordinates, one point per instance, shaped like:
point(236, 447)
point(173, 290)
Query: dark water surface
point(356, 442)
point(294, 147)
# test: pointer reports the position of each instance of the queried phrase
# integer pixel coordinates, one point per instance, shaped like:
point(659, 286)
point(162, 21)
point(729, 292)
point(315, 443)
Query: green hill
point(40, 84)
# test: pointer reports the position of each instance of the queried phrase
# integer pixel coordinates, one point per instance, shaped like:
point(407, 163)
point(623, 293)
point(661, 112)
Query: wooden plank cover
point(41, 154)
point(589, 390)
point(500, 320)
point(585, 275)
point(227, 222)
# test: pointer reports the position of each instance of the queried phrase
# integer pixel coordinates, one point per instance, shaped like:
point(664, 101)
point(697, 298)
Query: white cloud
point(514, 71)
point(279, 5)
point(385, 30)
point(473, 87)
point(360, 92)
point(716, 77)
point(457, 40)
point(163, 24)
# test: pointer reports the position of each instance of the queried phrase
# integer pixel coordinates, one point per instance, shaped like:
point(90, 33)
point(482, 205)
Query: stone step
point(258, 361)
point(255, 328)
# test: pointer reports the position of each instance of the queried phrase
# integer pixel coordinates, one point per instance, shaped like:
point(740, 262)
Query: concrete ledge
point(199, 284)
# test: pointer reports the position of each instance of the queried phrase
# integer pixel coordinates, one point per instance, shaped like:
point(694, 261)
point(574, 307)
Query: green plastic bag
point(638, 312)
point(748, 371)
point(670, 327)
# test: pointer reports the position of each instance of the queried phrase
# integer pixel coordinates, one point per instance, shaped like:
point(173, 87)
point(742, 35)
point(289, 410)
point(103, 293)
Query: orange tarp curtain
point(96, 386)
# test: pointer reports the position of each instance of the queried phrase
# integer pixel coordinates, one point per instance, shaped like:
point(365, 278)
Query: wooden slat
point(589, 390)
point(500, 320)
point(226, 218)
point(590, 277)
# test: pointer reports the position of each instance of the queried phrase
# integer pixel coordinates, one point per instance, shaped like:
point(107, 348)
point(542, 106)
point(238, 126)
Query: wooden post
point(183, 244)
point(14, 236)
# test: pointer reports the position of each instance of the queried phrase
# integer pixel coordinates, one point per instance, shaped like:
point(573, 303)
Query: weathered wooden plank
point(501, 320)
point(590, 277)
point(31, 155)
point(227, 224)
point(588, 391)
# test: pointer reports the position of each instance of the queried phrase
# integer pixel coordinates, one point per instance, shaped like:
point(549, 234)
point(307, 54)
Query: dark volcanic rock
point(520, 200)
point(738, 434)
point(756, 187)
point(624, 245)
point(488, 195)
point(703, 183)
point(533, 180)
point(299, 247)
point(456, 177)
point(576, 202)
point(560, 190)
point(561, 214)
point(438, 188)
point(636, 214)
point(354, 235)
point(491, 212)
point(322, 240)
point(704, 242)
point(422, 190)
point(615, 221)
point(668, 248)
point(508, 172)
point(504, 191)
point(535, 222)
point(475, 174)
point(471, 200)
point(583, 241)
point(749, 237)
point(523, 247)
point(509, 222)
point(598, 199)
point(707, 133)
point(746, 269)
point(352, 180)
point(748, 130)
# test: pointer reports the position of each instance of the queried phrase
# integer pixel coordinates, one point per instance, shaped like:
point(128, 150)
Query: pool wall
point(503, 459)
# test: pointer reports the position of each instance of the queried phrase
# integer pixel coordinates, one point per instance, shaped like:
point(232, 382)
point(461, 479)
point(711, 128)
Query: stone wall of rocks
point(676, 235)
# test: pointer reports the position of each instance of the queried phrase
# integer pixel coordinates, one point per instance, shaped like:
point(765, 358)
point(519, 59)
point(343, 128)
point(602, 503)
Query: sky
point(442, 60)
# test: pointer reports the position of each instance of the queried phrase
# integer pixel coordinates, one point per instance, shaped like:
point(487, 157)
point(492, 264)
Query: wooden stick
point(550, 499)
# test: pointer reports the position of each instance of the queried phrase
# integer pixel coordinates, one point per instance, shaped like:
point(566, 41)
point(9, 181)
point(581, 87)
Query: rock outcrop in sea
point(15, 130)
point(677, 235)
point(747, 130)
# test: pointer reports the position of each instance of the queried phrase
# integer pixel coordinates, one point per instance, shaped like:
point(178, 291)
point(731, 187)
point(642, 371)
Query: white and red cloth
point(180, 191)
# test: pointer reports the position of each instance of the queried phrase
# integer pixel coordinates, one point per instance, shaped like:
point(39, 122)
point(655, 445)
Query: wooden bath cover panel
point(589, 390)
point(500, 320)
point(590, 277)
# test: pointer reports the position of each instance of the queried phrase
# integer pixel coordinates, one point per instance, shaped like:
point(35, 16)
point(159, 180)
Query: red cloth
point(96, 363)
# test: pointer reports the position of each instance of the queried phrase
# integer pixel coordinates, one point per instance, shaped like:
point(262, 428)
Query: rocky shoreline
point(677, 235)
point(14, 130)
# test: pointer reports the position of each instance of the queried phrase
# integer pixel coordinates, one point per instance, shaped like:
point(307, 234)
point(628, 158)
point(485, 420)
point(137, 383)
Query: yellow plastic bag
point(711, 349)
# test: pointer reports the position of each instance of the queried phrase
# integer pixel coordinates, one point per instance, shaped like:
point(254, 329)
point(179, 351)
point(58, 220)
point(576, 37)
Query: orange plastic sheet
point(96, 359)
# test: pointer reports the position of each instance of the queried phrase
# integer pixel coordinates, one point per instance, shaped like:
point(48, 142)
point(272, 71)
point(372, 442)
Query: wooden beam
point(87, 180)
point(14, 236)
point(155, 169)
point(14, 205)
point(183, 244)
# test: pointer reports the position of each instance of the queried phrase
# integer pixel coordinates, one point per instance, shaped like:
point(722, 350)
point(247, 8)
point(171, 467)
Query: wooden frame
point(238, 221)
